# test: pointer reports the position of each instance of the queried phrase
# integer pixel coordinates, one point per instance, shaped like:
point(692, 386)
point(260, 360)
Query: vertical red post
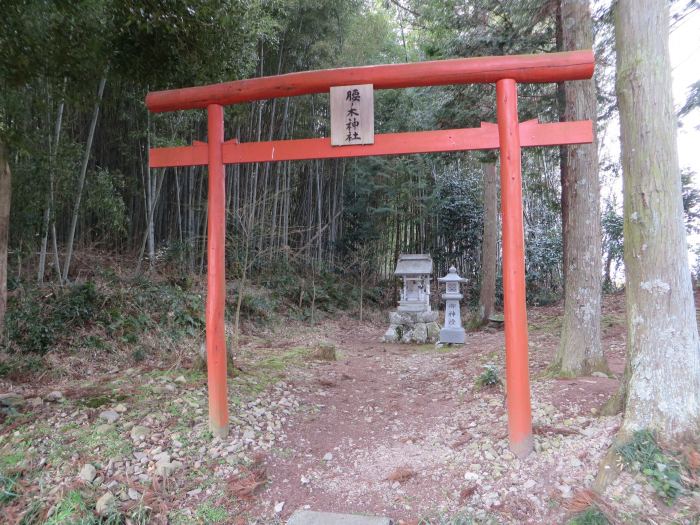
point(216, 280)
point(514, 311)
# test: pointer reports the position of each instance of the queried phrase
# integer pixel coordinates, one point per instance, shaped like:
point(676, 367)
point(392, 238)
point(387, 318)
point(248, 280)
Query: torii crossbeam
point(508, 135)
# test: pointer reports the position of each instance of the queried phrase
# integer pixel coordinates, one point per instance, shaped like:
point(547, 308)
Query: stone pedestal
point(412, 327)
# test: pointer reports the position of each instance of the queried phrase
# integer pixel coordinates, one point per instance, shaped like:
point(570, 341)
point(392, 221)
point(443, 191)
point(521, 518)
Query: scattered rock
point(88, 473)
point(54, 396)
point(635, 501)
point(166, 467)
point(599, 374)
point(133, 494)
point(110, 416)
point(279, 506)
point(180, 379)
point(139, 432)
point(328, 457)
point(35, 401)
point(121, 408)
point(105, 503)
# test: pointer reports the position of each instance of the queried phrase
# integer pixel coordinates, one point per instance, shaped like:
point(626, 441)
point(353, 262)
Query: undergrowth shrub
point(489, 377)
point(39, 319)
point(643, 454)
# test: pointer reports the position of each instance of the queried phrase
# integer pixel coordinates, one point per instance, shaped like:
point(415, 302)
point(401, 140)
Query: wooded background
point(74, 76)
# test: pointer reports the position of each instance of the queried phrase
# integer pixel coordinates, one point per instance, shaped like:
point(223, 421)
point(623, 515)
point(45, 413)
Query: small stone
point(88, 473)
point(35, 401)
point(120, 408)
point(599, 374)
point(110, 416)
point(166, 468)
point(635, 501)
point(54, 396)
point(305, 480)
point(105, 503)
point(530, 483)
point(328, 457)
point(248, 434)
point(133, 494)
point(162, 457)
point(140, 432)
point(180, 379)
point(279, 506)
point(194, 492)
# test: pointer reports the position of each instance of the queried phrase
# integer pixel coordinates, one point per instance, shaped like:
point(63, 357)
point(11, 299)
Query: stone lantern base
point(412, 327)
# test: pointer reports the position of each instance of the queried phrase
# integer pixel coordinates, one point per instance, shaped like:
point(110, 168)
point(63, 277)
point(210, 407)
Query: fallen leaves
point(401, 474)
point(250, 480)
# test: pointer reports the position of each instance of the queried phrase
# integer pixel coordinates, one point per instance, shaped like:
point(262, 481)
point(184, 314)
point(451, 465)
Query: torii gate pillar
point(514, 309)
point(216, 277)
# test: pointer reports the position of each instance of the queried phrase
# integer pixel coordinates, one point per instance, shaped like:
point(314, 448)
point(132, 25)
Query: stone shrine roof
point(414, 264)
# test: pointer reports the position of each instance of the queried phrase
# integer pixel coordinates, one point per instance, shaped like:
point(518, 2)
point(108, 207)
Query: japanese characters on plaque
point(352, 115)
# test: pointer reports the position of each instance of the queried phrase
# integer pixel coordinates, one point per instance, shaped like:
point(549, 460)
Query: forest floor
point(386, 429)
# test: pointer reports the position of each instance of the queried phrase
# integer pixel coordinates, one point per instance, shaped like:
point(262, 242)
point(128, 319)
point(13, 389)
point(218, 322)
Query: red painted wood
point(485, 137)
point(514, 312)
point(550, 67)
point(216, 279)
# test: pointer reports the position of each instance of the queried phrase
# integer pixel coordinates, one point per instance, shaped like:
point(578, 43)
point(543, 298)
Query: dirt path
point(409, 435)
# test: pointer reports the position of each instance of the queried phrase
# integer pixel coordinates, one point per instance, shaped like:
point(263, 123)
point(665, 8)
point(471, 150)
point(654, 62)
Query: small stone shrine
point(452, 332)
point(413, 321)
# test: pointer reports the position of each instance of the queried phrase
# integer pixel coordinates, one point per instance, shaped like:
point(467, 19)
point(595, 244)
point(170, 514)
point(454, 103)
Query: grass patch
point(547, 324)
point(9, 487)
point(461, 518)
point(207, 513)
point(591, 516)
point(68, 510)
point(643, 454)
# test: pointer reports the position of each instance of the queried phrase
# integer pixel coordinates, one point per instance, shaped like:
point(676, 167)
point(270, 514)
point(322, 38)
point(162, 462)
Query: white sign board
point(352, 115)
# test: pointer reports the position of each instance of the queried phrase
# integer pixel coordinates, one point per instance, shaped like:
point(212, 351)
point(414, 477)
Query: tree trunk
point(663, 389)
point(5, 193)
point(46, 226)
point(580, 350)
point(81, 179)
point(489, 248)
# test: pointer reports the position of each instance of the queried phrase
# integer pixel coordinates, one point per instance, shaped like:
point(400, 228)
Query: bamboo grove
point(78, 137)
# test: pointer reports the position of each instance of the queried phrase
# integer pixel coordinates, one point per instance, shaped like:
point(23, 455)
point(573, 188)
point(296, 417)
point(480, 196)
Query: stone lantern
point(413, 320)
point(452, 332)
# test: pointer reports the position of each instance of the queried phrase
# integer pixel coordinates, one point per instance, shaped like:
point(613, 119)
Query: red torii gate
point(509, 135)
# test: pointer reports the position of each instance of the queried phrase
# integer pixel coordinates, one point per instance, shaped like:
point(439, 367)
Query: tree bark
point(5, 193)
point(663, 350)
point(489, 248)
point(580, 350)
point(81, 179)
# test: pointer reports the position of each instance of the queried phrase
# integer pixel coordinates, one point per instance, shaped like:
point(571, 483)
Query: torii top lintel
point(550, 67)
